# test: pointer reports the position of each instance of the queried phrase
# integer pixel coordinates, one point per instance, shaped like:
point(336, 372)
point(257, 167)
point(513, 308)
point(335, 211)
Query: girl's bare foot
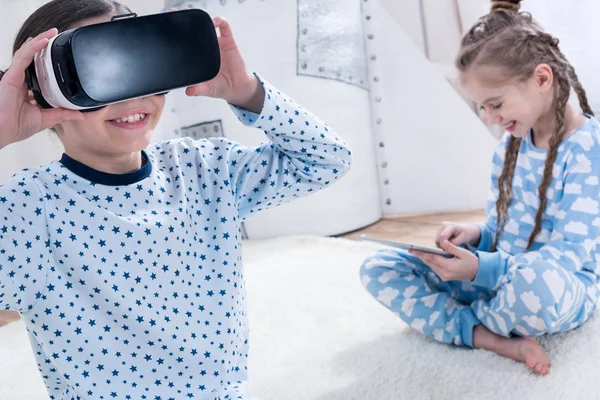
point(7, 317)
point(525, 350)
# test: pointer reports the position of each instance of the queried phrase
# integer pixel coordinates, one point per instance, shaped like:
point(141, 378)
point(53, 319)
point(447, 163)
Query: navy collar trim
point(104, 178)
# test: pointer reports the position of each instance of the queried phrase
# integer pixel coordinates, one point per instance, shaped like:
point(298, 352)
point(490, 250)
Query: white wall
point(144, 7)
point(437, 151)
point(578, 34)
point(407, 13)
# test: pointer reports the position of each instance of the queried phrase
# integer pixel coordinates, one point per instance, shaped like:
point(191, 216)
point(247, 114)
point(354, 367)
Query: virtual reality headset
point(130, 57)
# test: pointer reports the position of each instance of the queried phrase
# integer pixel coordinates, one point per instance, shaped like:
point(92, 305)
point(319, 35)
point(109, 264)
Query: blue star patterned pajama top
point(132, 286)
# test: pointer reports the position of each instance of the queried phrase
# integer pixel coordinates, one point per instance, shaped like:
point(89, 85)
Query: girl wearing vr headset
point(124, 258)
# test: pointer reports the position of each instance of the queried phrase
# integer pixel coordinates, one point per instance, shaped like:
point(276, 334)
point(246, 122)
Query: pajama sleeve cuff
point(485, 242)
point(489, 269)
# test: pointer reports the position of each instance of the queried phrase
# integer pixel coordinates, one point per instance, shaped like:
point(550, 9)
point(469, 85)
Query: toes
point(540, 368)
point(537, 368)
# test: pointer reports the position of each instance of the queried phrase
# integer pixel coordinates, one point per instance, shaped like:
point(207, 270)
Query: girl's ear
point(544, 77)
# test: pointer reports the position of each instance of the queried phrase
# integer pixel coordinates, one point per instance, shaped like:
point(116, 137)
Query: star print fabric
point(132, 286)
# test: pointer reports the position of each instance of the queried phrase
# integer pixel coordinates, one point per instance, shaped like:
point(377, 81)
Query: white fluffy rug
point(316, 334)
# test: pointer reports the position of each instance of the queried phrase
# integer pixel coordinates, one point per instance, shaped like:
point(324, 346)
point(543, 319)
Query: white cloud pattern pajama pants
point(533, 300)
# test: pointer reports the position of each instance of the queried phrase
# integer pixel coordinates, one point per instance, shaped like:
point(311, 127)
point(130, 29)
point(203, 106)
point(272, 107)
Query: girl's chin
point(132, 142)
point(519, 133)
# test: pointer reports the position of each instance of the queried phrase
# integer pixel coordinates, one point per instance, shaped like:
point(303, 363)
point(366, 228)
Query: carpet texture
point(316, 334)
